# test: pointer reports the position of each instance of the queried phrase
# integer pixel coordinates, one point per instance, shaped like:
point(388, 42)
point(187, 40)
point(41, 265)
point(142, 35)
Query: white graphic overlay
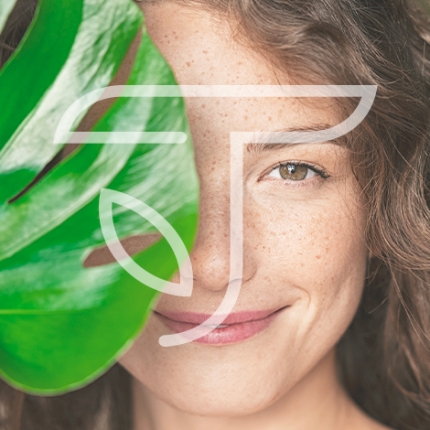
point(238, 139)
point(107, 197)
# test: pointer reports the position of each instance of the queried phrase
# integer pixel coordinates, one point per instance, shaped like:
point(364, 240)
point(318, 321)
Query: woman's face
point(303, 248)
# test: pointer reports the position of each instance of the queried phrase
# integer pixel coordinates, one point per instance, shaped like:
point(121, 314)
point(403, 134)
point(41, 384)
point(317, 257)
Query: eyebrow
point(262, 144)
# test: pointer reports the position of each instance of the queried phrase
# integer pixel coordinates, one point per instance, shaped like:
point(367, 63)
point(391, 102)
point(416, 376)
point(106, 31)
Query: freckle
point(188, 64)
point(270, 118)
point(205, 52)
point(246, 118)
point(318, 257)
point(203, 106)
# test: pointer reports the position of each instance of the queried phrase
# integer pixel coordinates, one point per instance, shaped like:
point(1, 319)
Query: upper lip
point(232, 318)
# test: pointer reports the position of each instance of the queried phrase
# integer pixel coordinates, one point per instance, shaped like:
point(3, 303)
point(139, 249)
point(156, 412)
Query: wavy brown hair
point(384, 356)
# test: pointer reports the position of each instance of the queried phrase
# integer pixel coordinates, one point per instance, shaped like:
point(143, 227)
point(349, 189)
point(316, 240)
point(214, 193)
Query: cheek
point(317, 248)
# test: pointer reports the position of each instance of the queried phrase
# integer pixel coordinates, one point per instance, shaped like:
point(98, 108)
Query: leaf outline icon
point(107, 198)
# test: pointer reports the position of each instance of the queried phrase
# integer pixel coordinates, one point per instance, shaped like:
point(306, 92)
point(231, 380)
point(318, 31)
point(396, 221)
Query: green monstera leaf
point(62, 323)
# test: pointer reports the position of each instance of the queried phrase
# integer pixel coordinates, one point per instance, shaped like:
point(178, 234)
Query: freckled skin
point(303, 247)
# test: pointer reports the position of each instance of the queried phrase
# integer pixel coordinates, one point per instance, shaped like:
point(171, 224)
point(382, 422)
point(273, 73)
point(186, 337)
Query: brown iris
point(295, 172)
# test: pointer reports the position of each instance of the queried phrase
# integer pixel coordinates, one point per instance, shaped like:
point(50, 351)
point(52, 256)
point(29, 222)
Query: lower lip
point(233, 333)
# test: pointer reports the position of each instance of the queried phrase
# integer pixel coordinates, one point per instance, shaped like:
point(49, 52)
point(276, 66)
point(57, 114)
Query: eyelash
point(320, 172)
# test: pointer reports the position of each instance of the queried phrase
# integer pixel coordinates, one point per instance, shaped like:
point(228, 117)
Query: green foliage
point(62, 325)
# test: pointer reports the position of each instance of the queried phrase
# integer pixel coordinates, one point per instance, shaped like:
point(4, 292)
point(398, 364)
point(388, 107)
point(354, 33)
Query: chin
point(233, 386)
point(199, 400)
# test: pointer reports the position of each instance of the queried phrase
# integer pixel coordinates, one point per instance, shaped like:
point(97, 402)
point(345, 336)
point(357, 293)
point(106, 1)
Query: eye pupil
point(295, 172)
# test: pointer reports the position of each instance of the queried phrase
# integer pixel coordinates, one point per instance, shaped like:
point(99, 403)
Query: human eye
point(295, 171)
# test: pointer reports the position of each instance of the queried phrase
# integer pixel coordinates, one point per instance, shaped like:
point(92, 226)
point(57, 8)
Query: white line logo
point(238, 139)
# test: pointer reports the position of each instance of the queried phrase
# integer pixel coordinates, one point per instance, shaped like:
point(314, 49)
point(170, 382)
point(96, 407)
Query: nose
point(210, 256)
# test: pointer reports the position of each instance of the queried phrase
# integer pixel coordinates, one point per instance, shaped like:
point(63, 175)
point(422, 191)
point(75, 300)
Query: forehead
point(201, 49)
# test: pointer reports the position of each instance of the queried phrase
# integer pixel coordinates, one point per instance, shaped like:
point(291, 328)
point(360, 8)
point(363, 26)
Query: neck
point(317, 401)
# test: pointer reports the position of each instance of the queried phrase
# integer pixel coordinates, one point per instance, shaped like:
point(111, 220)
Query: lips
point(236, 327)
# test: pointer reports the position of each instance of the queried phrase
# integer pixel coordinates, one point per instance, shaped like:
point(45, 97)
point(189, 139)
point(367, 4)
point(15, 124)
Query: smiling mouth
point(236, 327)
